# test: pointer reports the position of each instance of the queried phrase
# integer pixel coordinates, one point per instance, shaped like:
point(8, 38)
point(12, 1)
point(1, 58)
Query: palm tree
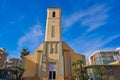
point(19, 72)
point(75, 71)
point(80, 62)
point(74, 64)
point(81, 70)
point(24, 52)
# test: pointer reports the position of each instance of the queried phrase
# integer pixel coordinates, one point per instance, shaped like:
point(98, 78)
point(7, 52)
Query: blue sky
point(87, 25)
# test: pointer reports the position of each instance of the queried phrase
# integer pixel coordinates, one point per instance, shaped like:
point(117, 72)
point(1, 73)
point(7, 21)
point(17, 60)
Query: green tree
point(24, 52)
point(98, 71)
point(79, 71)
point(19, 72)
point(75, 71)
point(74, 64)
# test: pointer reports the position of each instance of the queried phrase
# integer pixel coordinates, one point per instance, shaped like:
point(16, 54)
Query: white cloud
point(72, 19)
point(32, 38)
point(20, 18)
point(93, 17)
point(88, 45)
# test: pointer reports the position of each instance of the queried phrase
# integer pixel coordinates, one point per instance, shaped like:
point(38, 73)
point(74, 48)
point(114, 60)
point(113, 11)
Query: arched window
point(53, 14)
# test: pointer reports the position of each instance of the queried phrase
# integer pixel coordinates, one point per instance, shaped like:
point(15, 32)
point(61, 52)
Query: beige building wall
point(31, 62)
point(116, 72)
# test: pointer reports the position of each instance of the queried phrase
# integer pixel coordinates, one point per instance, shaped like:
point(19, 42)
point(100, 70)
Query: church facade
point(53, 59)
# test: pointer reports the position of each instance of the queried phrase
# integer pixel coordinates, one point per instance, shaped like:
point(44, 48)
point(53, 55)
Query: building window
point(54, 74)
point(52, 31)
point(52, 50)
point(50, 74)
point(53, 14)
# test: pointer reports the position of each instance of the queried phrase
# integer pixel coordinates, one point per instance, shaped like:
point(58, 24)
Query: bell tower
point(53, 24)
point(53, 59)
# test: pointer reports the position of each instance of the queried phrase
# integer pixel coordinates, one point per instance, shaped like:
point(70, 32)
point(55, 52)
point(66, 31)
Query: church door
point(52, 71)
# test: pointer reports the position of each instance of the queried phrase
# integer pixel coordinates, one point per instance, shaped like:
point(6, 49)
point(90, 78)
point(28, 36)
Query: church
point(53, 59)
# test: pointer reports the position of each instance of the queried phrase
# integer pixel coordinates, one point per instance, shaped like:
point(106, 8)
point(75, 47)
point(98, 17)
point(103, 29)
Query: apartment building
point(3, 57)
point(14, 62)
point(104, 65)
point(104, 57)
